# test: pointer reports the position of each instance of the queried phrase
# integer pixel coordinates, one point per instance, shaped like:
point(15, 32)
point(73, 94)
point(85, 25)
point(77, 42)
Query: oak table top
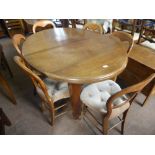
point(74, 55)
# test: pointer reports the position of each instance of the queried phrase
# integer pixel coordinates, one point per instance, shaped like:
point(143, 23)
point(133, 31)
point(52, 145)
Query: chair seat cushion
point(95, 96)
point(148, 44)
point(56, 90)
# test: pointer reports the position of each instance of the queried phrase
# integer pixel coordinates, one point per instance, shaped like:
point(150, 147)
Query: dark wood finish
point(4, 121)
point(2, 29)
point(3, 61)
point(14, 26)
point(141, 64)
point(7, 88)
point(75, 55)
point(123, 26)
point(146, 32)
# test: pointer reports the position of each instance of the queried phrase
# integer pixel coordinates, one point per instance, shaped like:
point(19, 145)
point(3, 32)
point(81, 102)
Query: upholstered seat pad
point(148, 44)
point(96, 95)
point(56, 90)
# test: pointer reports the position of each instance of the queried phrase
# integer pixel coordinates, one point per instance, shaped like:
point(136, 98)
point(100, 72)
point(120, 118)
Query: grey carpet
point(27, 119)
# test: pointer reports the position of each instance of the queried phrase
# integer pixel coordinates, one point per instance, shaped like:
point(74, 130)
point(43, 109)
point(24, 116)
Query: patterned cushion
point(95, 96)
point(56, 90)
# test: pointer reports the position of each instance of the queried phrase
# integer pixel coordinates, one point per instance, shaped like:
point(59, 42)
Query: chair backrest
point(35, 79)
point(42, 23)
point(17, 40)
point(123, 36)
point(132, 90)
point(147, 31)
point(94, 27)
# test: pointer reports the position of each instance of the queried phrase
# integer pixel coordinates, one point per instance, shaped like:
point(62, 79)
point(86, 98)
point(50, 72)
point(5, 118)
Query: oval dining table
point(75, 56)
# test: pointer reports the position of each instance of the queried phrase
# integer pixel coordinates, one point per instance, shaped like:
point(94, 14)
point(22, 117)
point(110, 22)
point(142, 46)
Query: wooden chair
point(17, 40)
point(50, 91)
point(4, 121)
point(7, 88)
point(3, 61)
point(123, 36)
point(106, 100)
point(147, 32)
point(42, 23)
point(94, 27)
point(125, 24)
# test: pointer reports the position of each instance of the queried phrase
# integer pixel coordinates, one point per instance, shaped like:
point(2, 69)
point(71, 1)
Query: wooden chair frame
point(145, 28)
point(94, 27)
point(48, 102)
point(133, 91)
point(17, 39)
point(125, 37)
point(132, 25)
point(42, 23)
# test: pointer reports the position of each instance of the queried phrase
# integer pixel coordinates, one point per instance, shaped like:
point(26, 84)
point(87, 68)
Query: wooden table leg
point(75, 90)
point(7, 88)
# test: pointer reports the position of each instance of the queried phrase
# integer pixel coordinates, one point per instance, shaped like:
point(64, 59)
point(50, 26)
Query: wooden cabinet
point(2, 29)
point(140, 65)
point(14, 26)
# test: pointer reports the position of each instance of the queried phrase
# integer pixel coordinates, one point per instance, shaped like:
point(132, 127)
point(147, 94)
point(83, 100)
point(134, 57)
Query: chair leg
point(148, 96)
point(7, 65)
point(52, 117)
point(123, 123)
point(105, 126)
point(83, 110)
point(7, 88)
point(42, 106)
point(34, 91)
point(146, 100)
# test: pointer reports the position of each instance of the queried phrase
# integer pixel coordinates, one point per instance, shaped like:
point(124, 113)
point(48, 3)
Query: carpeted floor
point(27, 119)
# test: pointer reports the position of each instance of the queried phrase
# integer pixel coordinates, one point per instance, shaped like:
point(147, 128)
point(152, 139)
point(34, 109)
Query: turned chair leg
point(123, 123)
point(105, 126)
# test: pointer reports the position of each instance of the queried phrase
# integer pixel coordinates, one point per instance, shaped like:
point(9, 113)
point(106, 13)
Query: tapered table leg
point(75, 90)
point(7, 88)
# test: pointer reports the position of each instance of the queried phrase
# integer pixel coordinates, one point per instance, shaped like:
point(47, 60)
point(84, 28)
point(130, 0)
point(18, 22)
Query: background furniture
point(140, 65)
point(42, 24)
point(76, 56)
point(147, 31)
point(14, 26)
point(4, 121)
point(3, 32)
point(3, 61)
point(94, 27)
point(7, 88)
point(131, 25)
